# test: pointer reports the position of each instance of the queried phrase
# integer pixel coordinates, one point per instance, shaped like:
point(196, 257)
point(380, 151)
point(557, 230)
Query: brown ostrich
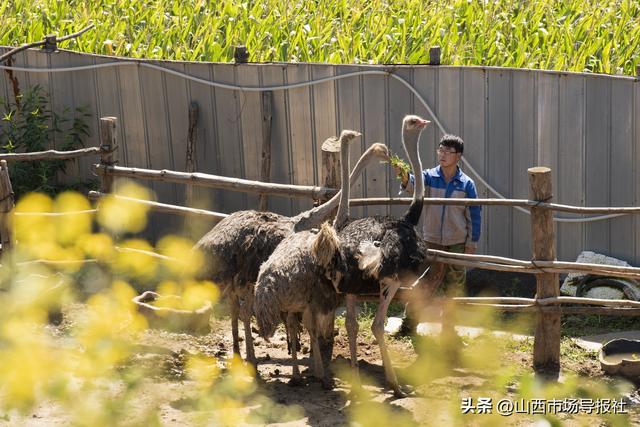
point(301, 277)
point(235, 248)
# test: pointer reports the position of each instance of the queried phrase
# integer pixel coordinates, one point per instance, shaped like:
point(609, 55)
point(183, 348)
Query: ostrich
point(382, 253)
point(301, 277)
point(235, 248)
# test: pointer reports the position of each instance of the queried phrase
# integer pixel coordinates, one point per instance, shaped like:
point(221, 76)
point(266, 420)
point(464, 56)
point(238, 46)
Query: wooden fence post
point(6, 205)
point(191, 146)
point(546, 348)
point(434, 55)
point(265, 172)
point(330, 165)
point(108, 146)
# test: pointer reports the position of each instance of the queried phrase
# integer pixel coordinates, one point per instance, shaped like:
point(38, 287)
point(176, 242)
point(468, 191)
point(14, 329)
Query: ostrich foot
point(401, 391)
point(296, 381)
point(328, 383)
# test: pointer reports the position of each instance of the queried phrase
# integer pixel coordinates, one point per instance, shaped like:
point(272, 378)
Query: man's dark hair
point(453, 141)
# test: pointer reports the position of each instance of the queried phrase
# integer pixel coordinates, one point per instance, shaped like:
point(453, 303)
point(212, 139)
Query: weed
point(29, 125)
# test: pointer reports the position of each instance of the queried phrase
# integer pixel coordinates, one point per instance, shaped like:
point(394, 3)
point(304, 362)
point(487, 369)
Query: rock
point(164, 312)
point(570, 284)
point(605, 292)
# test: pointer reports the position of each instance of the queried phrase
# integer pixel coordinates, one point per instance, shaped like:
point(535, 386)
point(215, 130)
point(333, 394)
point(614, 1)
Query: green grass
point(366, 313)
point(570, 353)
point(575, 35)
point(581, 325)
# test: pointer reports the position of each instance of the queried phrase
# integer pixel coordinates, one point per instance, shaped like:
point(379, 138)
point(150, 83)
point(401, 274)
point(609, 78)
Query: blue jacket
point(448, 225)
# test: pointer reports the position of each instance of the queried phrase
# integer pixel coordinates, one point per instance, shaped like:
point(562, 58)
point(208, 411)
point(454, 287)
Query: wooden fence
point(585, 127)
point(547, 304)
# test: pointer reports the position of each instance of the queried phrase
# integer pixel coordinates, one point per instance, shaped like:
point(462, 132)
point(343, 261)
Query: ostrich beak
point(424, 123)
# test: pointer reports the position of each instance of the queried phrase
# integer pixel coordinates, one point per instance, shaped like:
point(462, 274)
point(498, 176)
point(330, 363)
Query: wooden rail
point(51, 154)
point(490, 262)
point(215, 181)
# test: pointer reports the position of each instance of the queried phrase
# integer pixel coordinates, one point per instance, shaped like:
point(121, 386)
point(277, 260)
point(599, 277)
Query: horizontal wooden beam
point(491, 262)
point(549, 301)
point(51, 154)
point(220, 182)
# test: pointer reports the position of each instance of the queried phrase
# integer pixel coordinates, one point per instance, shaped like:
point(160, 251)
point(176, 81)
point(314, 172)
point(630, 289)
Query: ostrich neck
point(410, 142)
point(345, 188)
point(314, 217)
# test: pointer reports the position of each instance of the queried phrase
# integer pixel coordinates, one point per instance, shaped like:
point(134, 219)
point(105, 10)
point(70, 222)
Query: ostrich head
point(380, 150)
point(413, 123)
point(347, 136)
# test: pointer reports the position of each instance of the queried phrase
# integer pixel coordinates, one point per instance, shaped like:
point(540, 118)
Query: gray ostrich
point(235, 248)
point(382, 253)
point(301, 277)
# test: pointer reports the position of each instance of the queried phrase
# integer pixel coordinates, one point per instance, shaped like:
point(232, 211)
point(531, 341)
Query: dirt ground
point(309, 404)
point(172, 391)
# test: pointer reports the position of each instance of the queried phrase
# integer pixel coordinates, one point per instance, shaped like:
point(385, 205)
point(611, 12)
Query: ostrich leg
point(387, 292)
point(352, 332)
point(325, 327)
point(318, 369)
point(235, 313)
point(246, 311)
point(292, 327)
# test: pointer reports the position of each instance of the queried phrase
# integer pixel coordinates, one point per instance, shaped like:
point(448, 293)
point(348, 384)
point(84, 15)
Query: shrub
point(30, 125)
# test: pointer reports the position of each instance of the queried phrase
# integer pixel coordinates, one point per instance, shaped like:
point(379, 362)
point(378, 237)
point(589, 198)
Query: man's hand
point(404, 177)
point(470, 250)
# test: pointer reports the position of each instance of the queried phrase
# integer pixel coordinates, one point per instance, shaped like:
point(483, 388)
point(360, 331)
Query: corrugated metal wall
point(585, 127)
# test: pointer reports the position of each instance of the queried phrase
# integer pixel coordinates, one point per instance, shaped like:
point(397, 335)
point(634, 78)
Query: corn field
point(573, 35)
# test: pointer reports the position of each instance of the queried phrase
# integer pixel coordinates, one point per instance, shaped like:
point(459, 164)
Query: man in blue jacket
point(453, 228)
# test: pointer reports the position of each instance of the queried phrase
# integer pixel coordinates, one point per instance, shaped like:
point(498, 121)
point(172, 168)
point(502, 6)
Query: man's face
point(447, 156)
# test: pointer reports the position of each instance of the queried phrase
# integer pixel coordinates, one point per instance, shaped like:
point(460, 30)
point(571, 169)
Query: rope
point(11, 194)
point(539, 202)
point(242, 88)
point(105, 150)
point(540, 269)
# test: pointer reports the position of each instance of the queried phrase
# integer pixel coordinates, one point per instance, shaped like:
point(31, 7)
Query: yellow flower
point(183, 260)
point(135, 258)
point(73, 224)
point(29, 227)
point(121, 214)
point(98, 246)
point(203, 370)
